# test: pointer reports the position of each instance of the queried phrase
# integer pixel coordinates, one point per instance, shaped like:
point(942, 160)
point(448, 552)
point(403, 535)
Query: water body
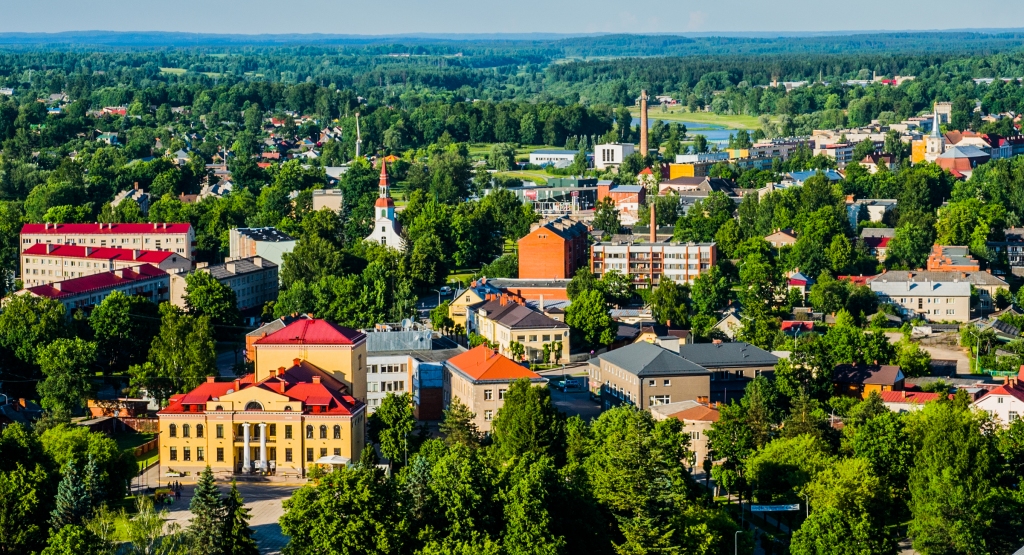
point(718, 134)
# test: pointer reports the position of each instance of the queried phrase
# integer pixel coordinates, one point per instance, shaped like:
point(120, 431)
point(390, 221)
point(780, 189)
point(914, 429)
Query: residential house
point(860, 380)
point(254, 280)
point(173, 237)
point(265, 242)
point(799, 281)
point(934, 301)
point(842, 153)
point(652, 332)
point(479, 378)
point(43, 263)
point(502, 321)
point(328, 198)
point(730, 323)
point(140, 197)
point(697, 420)
point(876, 239)
point(88, 291)
point(781, 238)
point(868, 209)
point(909, 401)
point(984, 283)
point(645, 375)
point(732, 365)
point(872, 162)
point(553, 249)
point(1010, 250)
point(1005, 404)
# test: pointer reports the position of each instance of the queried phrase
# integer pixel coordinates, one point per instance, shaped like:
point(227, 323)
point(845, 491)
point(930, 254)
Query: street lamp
point(438, 296)
point(736, 542)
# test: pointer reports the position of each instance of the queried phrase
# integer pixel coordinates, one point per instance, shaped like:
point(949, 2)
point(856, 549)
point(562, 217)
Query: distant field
point(481, 150)
point(680, 114)
point(173, 70)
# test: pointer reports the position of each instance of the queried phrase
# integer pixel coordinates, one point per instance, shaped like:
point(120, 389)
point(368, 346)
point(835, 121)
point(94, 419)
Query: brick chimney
point(643, 123)
point(210, 379)
point(295, 361)
point(316, 379)
point(238, 384)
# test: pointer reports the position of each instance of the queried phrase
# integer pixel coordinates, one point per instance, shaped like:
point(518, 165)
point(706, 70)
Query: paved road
point(226, 362)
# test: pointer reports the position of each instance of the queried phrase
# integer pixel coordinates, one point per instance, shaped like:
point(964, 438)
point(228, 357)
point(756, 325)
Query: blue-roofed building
point(798, 178)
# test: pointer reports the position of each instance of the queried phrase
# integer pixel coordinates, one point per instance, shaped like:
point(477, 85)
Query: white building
point(1005, 403)
point(611, 154)
point(876, 208)
point(265, 242)
point(328, 198)
point(557, 158)
point(44, 263)
point(934, 301)
point(386, 230)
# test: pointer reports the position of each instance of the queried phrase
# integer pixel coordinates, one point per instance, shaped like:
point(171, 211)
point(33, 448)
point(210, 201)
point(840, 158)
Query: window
point(323, 431)
point(999, 400)
point(652, 383)
point(309, 454)
point(174, 453)
point(372, 387)
point(287, 454)
point(667, 383)
point(501, 393)
point(533, 338)
point(220, 431)
point(488, 394)
point(272, 432)
point(337, 431)
point(309, 432)
point(656, 400)
point(188, 454)
point(287, 431)
point(337, 451)
point(199, 431)
point(200, 456)
point(172, 430)
point(488, 415)
point(694, 435)
point(220, 454)
point(1013, 415)
point(253, 405)
point(323, 451)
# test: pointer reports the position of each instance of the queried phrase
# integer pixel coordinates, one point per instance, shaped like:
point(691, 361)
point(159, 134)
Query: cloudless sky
point(502, 16)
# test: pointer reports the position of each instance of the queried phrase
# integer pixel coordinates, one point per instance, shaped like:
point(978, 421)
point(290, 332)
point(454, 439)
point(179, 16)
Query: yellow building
point(289, 415)
point(476, 293)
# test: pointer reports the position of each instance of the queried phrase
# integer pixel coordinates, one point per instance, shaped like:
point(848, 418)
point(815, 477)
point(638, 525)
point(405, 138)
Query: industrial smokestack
point(643, 123)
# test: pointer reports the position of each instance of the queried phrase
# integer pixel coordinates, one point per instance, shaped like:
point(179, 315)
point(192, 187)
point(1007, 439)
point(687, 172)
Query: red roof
point(100, 253)
point(877, 242)
point(97, 282)
point(916, 397)
point(857, 280)
point(1011, 390)
point(646, 171)
point(794, 325)
point(482, 363)
point(105, 229)
point(313, 332)
point(706, 414)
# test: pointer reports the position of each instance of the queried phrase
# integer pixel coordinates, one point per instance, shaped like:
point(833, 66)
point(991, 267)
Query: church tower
point(386, 230)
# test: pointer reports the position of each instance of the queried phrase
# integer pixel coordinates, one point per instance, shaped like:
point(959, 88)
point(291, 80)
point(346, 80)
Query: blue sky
point(496, 16)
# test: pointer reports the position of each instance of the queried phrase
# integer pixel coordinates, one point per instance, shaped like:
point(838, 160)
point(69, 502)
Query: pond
point(715, 133)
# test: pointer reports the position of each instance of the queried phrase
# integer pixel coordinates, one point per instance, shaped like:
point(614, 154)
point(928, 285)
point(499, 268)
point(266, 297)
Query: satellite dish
point(406, 324)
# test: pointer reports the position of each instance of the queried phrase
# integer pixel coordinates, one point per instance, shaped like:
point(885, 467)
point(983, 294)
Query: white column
point(245, 447)
point(263, 446)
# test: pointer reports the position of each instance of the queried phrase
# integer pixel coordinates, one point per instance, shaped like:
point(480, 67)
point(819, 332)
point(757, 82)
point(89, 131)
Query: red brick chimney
point(295, 361)
point(316, 379)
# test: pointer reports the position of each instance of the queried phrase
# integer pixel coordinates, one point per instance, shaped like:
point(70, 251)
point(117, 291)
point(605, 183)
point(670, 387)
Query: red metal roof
point(313, 332)
point(857, 280)
point(100, 253)
point(105, 229)
point(915, 397)
point(482, 363)
point(96, 282)
point(877, 242)
point(1010, 390)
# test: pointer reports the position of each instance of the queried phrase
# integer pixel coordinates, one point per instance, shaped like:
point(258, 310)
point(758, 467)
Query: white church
point(386, 230)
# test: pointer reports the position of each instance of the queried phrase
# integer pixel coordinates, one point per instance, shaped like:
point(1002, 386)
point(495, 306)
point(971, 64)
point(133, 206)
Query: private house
point(984, 283)
point(732, 365)
point(476, 293)
point(502, 322)
point(876, 239)
point(177, 238)
point(140, 197)
point(908, 401)
point(781, 238)
point(328, 198)
point(859, 380)
point(44, 263)
point(1005, 404)
point(934, 301)
point(646, 375)
point(730, 323)
point(479, 379)
point(951, 259)
point(799, 281)
point(254, 281)
point(872, 162)
point(554, 249)
point(868, 210)
point(651, 332)
point(265, 242)
point(88, 291)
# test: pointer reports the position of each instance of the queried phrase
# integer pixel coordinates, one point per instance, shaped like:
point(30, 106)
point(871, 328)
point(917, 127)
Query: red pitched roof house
point(88, 291)
point(1005, 404)
point(479, 378)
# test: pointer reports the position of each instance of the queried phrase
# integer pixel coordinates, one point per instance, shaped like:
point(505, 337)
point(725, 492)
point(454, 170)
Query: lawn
point(681, 114)
point(537, 176)
point(480, 150)
point(132, 440)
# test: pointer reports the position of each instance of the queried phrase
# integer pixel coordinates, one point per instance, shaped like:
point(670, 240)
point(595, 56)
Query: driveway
point(573, 402)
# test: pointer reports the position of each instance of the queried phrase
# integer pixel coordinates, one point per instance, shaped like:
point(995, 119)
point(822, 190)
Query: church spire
point(935, 120)
point(385, 181)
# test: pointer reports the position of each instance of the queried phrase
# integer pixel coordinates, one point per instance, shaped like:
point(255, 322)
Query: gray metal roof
point(936, 288)
point(646, 359)
point(239, 267)
point(713, 355)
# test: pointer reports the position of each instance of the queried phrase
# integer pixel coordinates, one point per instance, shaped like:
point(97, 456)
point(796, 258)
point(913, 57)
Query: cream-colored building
point(177, 238)
point(291, 414)
point(502, 322)
point(328, 198)
point(480, 378)
point(254, 281)
point(697, 419)
point(44, 263)
point(933, 301)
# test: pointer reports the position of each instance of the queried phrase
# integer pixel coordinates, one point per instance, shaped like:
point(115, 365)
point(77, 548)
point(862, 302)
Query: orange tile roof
point(700, 412)
point(483, 364)
point(915, 397)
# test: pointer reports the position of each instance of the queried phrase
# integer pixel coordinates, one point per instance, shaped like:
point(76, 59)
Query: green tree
point(121, 323)
point(206, 296)
point(779, 471)
point(114, 468)
point(669, 303)
point(236, 535)
point(74, 539)
point(829, 295)
point(582, 280)
point(67, 365)
point(528, 422)
point(457, 425)
point(616, 287)
point(439, 318)
point(709, 292)
point(912, 359)
point(181, 356)
point(393, 422)
point(606, 217)
point(531, 483)
point(206, 526)
point(588, 319)
point(75, 495)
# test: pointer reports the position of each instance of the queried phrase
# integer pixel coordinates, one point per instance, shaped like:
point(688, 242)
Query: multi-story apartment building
point(647, 263)
point(88, 291)
point(984, 283)
point(554, 249)
point(934, 301)
point(177, 238)
point(645, 375)
point(842, 153)
point(502, 321)
point(43, 263)
point(266, 242)
point(254, 281)
point(300, 408)
point(732, 365)
point(1011, 247)
point(479, 379)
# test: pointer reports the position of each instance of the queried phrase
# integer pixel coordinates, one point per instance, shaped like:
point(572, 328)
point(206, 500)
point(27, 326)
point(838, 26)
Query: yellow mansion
point(304, 405)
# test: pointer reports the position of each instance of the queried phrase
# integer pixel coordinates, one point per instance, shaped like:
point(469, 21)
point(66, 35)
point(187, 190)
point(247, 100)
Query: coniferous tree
point(208, 516)
point(74, 499)
point(458, 426)
point(236, 535)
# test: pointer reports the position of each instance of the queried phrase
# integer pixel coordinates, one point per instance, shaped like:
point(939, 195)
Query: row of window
point(533, 338)
point(201, 454)
point(254, 431)
point(377, 387)
point(387, 368)
point(489, 394)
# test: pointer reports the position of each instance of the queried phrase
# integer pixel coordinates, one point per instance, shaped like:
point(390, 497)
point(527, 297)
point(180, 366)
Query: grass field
point(480, 150)
point(173, 70)
point(536, 176)
point(680, 114)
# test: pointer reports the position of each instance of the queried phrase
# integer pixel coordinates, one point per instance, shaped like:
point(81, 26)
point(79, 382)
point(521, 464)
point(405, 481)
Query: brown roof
point(875, 374)
point(701, 412)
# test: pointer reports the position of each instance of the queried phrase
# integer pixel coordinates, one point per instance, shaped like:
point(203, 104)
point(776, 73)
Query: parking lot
point(573, 401)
